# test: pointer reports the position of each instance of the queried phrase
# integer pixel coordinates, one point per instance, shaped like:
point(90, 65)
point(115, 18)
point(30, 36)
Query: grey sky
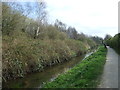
point(92, 17)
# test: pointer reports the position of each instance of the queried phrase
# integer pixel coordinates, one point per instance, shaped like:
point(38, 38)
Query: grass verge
point(83, 75)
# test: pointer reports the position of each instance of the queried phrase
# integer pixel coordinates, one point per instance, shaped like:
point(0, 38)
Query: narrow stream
point(35, 80)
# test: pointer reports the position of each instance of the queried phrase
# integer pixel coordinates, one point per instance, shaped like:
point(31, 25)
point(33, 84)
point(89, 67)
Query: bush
point(114, 42)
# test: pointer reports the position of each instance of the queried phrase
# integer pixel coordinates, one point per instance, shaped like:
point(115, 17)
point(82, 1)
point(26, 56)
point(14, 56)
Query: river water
point(36, 80)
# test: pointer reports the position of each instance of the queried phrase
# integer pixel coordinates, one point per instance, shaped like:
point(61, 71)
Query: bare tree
point(60, 25)
point(41, 16)
point(72, 33)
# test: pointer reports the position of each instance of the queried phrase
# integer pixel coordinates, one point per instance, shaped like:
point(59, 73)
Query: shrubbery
point(22, 54)
point(114, 42)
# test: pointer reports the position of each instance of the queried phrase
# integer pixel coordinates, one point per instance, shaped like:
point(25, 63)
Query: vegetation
point(83, 75)
point(114, 42)
point(30, 44)
point(97, 39)
point(107, 37)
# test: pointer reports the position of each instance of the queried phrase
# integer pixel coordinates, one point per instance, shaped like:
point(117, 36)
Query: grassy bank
point(84, 75)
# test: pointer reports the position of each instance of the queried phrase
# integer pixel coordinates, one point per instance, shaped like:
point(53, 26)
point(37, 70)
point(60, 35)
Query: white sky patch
point(92, 17)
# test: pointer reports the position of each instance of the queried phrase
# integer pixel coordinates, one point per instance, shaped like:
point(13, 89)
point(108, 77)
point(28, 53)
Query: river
point(36, 80)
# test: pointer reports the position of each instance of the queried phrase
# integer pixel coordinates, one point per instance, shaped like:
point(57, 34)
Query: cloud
point(88, 16)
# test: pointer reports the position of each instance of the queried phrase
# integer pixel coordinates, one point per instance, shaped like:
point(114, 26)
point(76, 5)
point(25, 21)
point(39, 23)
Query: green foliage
point(83, 75)
point(90, 43)
point(114, 42)
point(76, 46)
point(107, 37)
point(53, 33)
point(11, 20)
point(87, 40)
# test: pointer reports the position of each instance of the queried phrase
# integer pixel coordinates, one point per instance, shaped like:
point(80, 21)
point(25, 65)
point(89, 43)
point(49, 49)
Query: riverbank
point(83, 75)
point(23, 55)
point(37, 79)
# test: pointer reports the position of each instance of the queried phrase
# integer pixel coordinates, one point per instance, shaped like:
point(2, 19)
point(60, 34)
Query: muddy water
point(50, 73)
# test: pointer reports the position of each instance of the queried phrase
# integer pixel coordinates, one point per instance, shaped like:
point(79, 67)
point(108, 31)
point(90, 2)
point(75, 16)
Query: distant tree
point(81, 36)
point(97, 39)
point(60, 25)
point(107, 37)
point(72, 33)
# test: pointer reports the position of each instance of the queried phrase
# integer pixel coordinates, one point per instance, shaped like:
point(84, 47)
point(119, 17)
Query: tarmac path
point(110, 74)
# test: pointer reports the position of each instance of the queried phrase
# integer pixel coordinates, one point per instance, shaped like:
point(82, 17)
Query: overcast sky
point(92, 17)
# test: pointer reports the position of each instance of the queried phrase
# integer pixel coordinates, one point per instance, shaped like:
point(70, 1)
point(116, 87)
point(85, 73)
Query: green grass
point(84, 75)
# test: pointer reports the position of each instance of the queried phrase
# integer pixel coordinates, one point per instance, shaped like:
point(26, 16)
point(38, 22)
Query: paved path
point(110, 73)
